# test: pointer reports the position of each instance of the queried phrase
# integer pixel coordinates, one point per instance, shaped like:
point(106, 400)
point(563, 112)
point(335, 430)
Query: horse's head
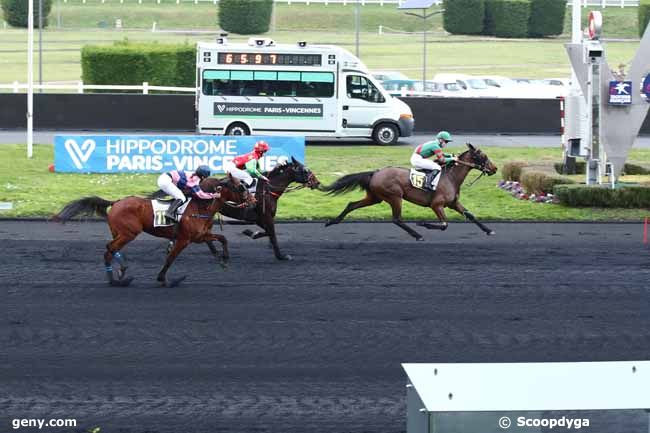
point(475, 156)
point(298, 173)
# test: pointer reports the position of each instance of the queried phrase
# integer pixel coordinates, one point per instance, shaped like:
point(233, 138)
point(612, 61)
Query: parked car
point(472, 86)
point(411, 87)
point(388, 75)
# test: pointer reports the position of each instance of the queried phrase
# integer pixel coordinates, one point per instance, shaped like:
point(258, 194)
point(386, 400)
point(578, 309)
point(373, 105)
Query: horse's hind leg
point(440, 213)
point(368, 200)
point(396, 205)
point(113, 252)
point(467, 214)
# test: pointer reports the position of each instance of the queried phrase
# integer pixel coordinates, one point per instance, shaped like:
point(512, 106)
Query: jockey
point(246, 167)
point(433, 148)
point(180, 184)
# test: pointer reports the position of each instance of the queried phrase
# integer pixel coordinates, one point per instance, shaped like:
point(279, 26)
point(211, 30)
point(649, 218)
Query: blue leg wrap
point(109, 268)
point(118, 256)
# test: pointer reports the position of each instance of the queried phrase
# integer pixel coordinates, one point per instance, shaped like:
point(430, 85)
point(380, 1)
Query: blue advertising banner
point(156, 154)
point(620, 93)
point(646, 87)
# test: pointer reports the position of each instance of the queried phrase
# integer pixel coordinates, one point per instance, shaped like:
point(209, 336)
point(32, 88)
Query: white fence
point(80, 87)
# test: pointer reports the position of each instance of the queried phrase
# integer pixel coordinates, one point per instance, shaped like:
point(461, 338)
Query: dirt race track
point(311, 345)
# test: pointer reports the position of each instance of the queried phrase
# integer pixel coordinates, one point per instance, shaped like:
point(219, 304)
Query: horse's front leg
point(179, 246)
point(209, 240)
point(467, 214)
point(269, 227)
point(439, 210)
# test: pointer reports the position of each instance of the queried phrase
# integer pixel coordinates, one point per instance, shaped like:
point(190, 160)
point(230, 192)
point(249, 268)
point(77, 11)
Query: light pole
point(424, 5)
point(357, 14)
point(40, 44)
point(30, 79)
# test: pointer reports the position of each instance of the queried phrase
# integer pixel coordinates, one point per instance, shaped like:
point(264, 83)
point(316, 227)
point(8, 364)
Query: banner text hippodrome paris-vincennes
point(155, 154)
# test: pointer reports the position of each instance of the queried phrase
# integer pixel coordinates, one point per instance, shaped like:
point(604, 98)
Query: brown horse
point(131, 216)
point(392, 184)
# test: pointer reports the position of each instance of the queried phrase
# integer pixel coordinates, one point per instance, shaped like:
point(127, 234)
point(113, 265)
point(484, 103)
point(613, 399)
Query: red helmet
point(261, 147)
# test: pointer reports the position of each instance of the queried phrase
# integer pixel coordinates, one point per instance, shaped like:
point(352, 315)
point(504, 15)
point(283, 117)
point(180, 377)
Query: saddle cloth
point(419, 178)
point(160, 209)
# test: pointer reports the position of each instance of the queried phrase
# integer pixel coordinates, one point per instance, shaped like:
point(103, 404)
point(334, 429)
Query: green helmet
point(444, 135)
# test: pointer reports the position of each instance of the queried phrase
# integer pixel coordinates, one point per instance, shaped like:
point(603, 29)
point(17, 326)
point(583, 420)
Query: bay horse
point(392, 185)
point(266, 197)
point(130, 216)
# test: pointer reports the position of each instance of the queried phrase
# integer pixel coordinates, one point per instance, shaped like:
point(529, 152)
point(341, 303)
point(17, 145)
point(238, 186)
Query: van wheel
point(385, 134)
point(238, 128)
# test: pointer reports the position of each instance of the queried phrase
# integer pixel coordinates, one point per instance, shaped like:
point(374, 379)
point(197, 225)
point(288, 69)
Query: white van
point(261, 88)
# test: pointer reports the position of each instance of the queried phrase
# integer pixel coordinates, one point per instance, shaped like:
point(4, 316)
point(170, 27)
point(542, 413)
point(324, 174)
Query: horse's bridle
point(481, 168)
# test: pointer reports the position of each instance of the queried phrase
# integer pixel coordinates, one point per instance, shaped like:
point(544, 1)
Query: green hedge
point(629, 168)
point(464, 17)
point(539, 182)
point(603, 196)
point(644, 16)
point(16, 12)
point(546, 17)
point(511, 18)
point(126, 63)
point(245, 17)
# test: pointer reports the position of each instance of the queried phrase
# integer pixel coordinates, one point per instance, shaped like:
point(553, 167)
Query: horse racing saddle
point(423, 179)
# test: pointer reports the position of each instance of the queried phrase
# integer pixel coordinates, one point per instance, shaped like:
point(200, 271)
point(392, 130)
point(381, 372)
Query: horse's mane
point(279, 167)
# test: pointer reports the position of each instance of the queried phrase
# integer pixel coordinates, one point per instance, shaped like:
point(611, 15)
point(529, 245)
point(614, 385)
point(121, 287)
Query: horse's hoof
point(329, 223)
point(175, 282)
point(248, 232)
point(121, 283)
point(419, 239)
point(121, 273)
point(285, 257)
point(491, 233)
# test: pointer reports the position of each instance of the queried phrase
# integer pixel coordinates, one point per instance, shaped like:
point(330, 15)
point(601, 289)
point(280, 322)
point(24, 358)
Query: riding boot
point(431, 179)
point(173, 207)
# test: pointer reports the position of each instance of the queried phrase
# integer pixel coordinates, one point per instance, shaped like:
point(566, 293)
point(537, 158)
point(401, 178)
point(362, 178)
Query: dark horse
point(131, 216)
point(267, 196)
point(392, 185)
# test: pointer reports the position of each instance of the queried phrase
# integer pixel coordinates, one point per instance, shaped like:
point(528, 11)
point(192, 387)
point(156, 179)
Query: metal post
point(424, 48)
point(40, 44)
point(356, 25)
point(30, 79)
point(593, 161)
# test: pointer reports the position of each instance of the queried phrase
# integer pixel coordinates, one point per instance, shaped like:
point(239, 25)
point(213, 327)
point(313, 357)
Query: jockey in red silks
point(180, 184)
point(246, 167)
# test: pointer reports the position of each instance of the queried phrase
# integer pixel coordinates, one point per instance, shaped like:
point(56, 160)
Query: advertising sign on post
point(646, 87)
point(620, 93)
point(156, 154)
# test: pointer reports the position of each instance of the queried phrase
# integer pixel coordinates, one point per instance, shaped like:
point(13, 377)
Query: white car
point(472, 86)
point(388, 75)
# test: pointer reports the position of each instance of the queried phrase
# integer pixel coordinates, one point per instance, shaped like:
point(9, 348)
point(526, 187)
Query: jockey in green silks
point(433, 148)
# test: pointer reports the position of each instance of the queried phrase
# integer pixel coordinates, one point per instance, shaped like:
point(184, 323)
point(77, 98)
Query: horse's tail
point(85, 206)
point(349, 182)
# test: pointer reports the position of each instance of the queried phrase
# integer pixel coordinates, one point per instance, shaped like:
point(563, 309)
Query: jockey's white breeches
point(242, 175)
point(165, 183)
point(418, 161)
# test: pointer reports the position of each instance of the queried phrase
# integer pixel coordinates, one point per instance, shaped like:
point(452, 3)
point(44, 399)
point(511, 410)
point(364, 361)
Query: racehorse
point(392, 184)
point(267, 196)
point(131, 216)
